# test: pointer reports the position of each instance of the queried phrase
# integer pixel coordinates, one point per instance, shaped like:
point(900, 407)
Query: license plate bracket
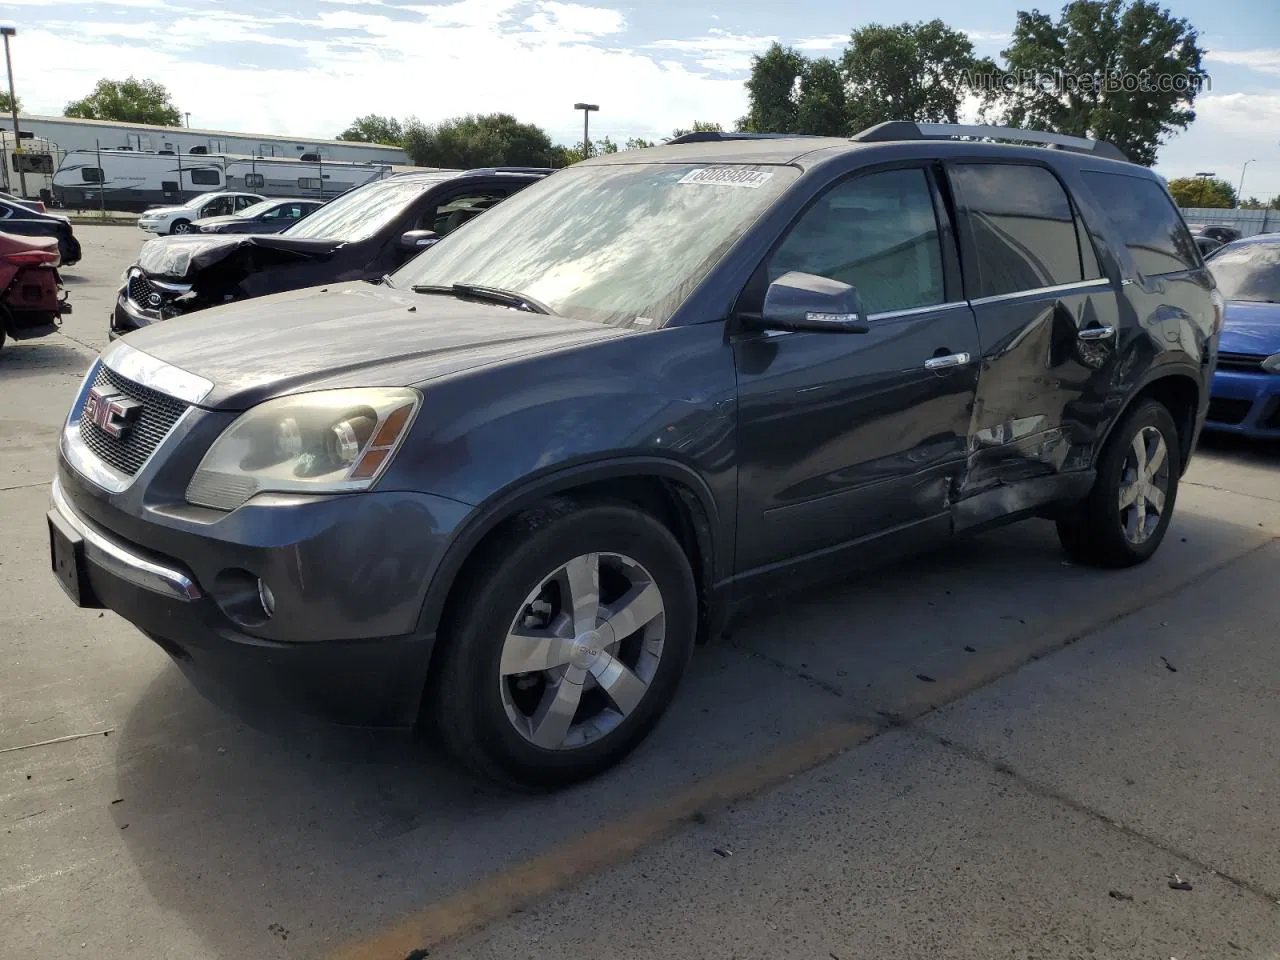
point(66, 555)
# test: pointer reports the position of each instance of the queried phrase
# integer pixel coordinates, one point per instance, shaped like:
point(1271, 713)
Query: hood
point(161, 212)
point(344, 335)
point(1251, 327)
point(180, 257)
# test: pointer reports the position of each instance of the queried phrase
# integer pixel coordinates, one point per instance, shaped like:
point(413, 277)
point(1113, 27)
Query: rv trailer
point(123, 179)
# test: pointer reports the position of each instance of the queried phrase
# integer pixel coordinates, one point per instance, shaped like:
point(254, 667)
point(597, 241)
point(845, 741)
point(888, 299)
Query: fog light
point(267, 598)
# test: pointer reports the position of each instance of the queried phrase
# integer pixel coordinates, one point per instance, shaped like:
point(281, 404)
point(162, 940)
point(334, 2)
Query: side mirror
point(418, 239)
point(805, 302)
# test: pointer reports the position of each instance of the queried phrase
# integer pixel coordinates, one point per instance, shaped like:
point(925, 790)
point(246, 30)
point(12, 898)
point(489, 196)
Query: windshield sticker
point(727, 177)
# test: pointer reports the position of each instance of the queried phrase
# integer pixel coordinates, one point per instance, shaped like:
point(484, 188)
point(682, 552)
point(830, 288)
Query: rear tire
point(180, 226)
point(603, 661)
point(1126, 515)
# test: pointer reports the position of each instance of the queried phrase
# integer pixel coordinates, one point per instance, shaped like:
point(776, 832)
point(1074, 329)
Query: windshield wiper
point(471, 291)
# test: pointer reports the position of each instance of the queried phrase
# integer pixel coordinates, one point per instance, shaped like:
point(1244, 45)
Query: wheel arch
point(1181, 390)
point(672, 491)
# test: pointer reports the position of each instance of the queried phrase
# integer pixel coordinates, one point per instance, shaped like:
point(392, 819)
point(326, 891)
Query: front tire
point(181, 226)
point(1126, 515)
point(565, 646)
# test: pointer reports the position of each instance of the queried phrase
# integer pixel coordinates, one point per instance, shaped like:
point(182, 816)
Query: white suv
point(164, 220)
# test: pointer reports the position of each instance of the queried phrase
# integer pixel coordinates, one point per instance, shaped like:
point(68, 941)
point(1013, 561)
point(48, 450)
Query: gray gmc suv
point(507, 491)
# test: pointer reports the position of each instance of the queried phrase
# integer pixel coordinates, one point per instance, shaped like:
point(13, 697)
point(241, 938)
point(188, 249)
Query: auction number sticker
point(728, 177)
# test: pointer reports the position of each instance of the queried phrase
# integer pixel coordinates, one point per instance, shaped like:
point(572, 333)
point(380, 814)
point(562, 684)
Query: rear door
point(1047, 318)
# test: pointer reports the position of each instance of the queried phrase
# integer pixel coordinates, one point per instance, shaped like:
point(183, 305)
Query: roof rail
point(716, 136)
point(485, 171)
point(909, 130)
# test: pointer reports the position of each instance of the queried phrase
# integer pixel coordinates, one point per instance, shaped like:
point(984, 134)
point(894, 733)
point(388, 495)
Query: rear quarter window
point(1146, 221)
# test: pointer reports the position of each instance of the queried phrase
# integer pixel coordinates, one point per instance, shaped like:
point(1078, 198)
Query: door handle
point(947, 362)
point(1097, 333)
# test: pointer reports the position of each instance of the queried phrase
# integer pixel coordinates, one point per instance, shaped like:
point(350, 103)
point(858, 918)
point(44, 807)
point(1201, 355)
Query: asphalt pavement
point(984, 752)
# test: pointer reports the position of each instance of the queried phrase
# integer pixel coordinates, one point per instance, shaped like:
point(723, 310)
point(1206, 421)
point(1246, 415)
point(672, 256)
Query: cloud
point(531, 58)
point(1263, 61)
point(719, 51)
point(1229, 129)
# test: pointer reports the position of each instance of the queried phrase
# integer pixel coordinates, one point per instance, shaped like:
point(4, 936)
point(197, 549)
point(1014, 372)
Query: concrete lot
point(1093, 735)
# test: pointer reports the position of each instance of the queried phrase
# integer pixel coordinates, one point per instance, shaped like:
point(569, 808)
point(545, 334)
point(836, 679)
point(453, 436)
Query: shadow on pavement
point(296, 841)
point(20, 359)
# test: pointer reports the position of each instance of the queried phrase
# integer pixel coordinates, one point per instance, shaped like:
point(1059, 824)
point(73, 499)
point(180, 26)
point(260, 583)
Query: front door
point(845, 436)
point(1048, 321)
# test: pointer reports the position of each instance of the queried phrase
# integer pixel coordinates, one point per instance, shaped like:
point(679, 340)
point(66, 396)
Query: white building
point(68, 134)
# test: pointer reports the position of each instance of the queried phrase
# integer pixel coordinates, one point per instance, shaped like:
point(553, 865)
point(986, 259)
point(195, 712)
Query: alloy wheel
point(1144, 485)
point(581, 652)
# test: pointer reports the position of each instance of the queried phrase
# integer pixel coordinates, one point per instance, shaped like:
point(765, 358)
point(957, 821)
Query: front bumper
point(348, 575)
point(153, 226)
point(127, 317)
point(1246, 403)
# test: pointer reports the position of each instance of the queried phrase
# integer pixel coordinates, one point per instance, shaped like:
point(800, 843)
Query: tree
point(603, 145)
point(478, 140)
point(5, 104)
point(699, 126)
point(821, 107)
point(921, 71)
point(638, 143)
point(1113, 70)
point(1253, 203)
point(129, 101)
point(1202, 192)
point(772, 88)
point(374, 129)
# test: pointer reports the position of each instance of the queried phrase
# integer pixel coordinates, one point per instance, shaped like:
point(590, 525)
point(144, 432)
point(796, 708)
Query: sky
point(308, 67)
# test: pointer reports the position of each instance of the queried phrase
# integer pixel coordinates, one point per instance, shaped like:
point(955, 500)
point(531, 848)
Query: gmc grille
point(128, 453)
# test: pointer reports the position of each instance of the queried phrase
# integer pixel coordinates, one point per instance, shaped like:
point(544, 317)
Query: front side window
point(1147, 220)
point(1248, 271)
point(450, 215)
point(623, 244)
point(1020, 226)
point(878, 233)
point(217, 207)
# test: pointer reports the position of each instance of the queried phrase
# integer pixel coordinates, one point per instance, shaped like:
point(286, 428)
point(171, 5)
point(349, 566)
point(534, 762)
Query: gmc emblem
point(113, 413)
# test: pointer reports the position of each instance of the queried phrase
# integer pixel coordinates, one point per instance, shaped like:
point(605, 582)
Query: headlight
point(1272, 363)
point(335, 441)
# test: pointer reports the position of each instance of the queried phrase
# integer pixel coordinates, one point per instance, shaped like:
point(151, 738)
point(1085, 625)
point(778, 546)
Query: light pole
point(7, 31)
point(1204, 176)
point(188, 116)
point(587, 109)
point(1240, 188)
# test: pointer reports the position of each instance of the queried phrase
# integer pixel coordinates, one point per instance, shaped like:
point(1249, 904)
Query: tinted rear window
point(1147, 221)
point(1020, 225)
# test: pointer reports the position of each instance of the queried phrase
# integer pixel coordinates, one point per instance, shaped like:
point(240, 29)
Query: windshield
point(620, 244)
point(1250, 271)
point(258, 209)
point(358, 215)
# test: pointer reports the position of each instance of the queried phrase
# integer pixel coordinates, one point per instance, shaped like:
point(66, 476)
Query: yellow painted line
point(500, 894)
point(519, 886)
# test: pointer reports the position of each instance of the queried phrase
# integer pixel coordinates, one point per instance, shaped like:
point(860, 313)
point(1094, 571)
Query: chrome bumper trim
point(104, 552)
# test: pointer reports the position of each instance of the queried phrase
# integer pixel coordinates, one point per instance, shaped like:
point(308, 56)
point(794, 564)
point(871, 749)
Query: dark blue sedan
point(269, 216)
point(1246, 386)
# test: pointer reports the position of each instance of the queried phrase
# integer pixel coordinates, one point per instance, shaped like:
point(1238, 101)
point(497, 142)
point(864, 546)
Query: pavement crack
point(25, 486)
point(1055, 795)
point(782, 667)
point(1234, 493)
point(88, 346)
